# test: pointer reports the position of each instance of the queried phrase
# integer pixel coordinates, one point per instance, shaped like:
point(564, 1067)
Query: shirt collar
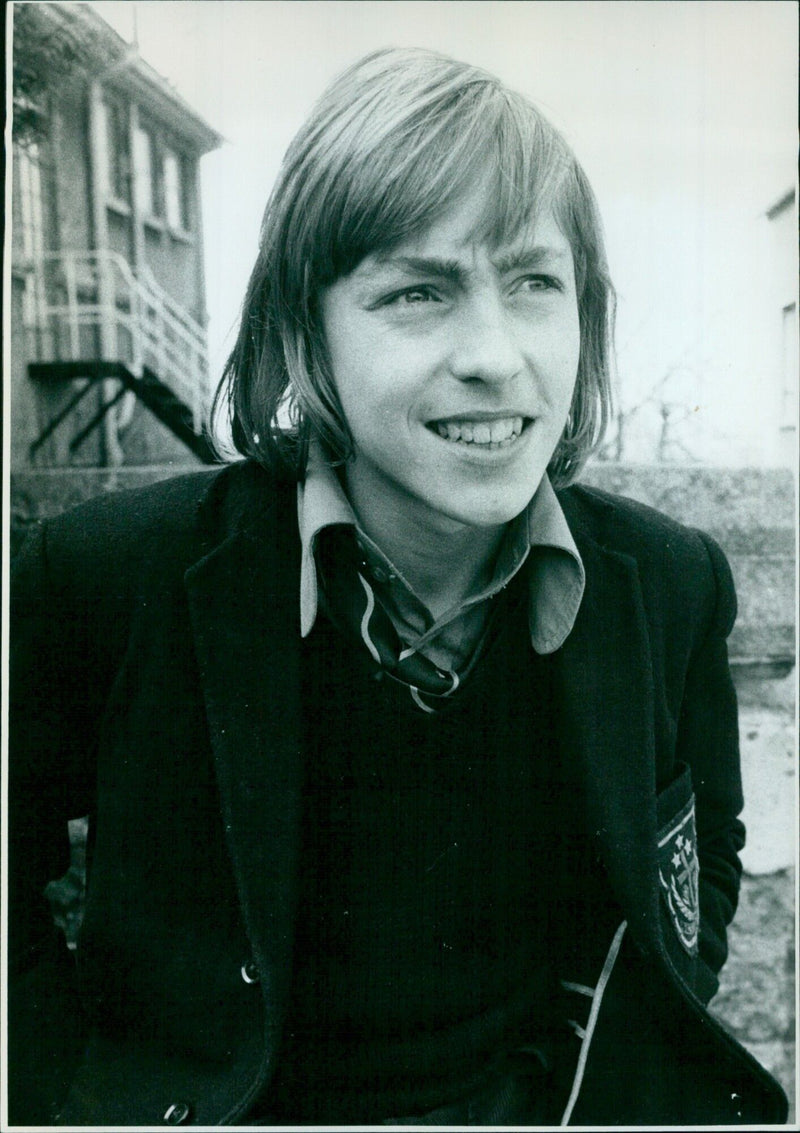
point(321, 502)
point(556, 571)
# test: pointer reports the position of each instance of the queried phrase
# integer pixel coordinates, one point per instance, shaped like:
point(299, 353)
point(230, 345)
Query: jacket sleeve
point(49, 782)
point(708, 742)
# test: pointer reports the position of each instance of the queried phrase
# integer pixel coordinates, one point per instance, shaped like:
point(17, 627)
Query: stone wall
point(750, 513)
point(38, 494)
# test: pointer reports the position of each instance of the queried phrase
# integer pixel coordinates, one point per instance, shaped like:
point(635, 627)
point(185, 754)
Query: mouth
point(500, 432)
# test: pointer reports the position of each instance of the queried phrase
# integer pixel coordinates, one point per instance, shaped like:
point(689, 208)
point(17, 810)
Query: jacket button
point(177, 1114)
point(250, 973)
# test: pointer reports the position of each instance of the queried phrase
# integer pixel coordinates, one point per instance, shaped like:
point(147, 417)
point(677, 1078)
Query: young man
point(413, 782)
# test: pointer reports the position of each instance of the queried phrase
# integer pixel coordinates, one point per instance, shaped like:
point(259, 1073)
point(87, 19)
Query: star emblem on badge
point(679, 871)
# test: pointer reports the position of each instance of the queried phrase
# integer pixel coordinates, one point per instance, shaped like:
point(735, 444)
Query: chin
point(492, 513)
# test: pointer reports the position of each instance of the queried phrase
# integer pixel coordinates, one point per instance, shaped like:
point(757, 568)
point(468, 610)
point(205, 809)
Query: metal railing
point(91, 305)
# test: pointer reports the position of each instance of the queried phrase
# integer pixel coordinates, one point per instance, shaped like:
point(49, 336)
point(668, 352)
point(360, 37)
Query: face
point(455, 363)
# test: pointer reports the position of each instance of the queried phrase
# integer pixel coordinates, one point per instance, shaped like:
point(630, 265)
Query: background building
point(782, 218)
point(108, 360)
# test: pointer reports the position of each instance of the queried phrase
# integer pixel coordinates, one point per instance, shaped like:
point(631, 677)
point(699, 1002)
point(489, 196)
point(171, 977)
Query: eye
point(532, 283)
point(413, 296)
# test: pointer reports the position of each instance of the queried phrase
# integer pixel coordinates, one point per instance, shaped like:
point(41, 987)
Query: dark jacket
point(155, 679)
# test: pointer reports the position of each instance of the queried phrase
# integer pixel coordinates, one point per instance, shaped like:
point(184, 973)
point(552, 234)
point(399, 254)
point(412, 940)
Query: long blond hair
point(389, 145)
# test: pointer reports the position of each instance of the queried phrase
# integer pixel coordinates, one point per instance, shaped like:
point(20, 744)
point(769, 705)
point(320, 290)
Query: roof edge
point(114, 61)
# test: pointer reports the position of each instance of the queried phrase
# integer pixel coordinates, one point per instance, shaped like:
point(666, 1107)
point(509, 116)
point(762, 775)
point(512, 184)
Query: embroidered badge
point(678, 872)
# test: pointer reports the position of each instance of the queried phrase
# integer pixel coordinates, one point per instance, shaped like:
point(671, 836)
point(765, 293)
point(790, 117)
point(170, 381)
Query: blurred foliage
point(52, 43)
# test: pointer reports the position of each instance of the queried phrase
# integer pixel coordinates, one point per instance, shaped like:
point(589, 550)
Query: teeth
point(498, 432)
point(501, 430)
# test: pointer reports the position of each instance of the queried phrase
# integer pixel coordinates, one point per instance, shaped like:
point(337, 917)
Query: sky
point(682, 112)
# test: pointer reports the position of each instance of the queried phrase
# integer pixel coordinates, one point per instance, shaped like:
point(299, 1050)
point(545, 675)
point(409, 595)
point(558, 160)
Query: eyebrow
point(531, 257)
point(455, 272)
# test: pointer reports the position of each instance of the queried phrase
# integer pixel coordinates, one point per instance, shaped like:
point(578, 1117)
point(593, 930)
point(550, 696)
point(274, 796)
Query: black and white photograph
point(400, 437)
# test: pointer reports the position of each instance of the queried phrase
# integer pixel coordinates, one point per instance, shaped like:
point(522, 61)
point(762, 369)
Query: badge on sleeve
point(678, 871)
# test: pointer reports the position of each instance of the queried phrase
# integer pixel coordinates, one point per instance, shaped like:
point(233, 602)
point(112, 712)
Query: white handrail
point(92, 304)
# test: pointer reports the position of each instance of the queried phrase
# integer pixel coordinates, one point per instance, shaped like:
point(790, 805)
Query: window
point(118, 158)
point(147, 173)
point(30, 199)
point(31, 231)
point(173, 190)
point(161, 180)
point(177, 184)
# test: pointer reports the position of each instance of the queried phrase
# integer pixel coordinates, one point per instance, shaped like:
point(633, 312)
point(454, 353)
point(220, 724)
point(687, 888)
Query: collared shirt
point(538, 537)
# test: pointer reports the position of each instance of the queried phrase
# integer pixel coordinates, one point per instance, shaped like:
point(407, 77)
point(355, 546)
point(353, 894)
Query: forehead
point(472, 222)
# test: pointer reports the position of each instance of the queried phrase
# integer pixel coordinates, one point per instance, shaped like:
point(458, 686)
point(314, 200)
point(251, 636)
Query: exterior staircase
point(151, 391)
point(89, 317)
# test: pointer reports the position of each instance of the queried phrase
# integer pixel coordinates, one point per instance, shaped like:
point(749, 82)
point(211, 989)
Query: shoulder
point(679, 566)
point(625, 524)
point(163, 527)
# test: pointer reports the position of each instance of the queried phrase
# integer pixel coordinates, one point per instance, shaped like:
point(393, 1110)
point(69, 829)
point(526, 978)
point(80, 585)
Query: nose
point(485, 347)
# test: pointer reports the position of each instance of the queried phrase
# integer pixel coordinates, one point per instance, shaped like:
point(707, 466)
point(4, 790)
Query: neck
point(442, 560)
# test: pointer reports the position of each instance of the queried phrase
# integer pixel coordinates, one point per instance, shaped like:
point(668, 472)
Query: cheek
point(572, 353)
point(346, 343)
point(369, 404)
point(572, 334)
point(350, 375)
point(558, 360)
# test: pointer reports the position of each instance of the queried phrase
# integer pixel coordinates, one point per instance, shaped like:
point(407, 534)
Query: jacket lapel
point(244, 609)
point(605, 694)
point(244, 612)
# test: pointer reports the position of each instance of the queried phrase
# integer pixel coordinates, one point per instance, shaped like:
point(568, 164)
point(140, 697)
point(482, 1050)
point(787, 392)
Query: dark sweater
point(431, 844)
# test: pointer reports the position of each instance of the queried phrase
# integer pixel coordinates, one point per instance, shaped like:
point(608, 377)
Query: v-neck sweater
point(430, 845)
